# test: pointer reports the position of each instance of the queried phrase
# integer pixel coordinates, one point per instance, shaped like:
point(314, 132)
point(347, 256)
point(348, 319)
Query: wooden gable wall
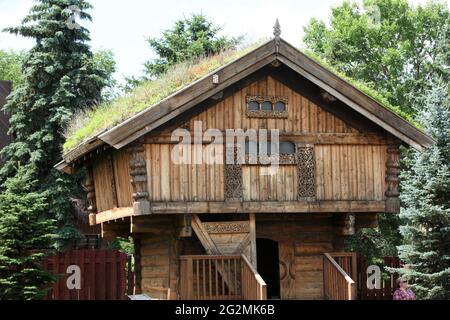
point(349, 164)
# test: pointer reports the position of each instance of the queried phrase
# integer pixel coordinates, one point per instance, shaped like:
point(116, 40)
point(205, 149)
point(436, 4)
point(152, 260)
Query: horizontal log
point(267, 207)
point(116, 213)
point(316, 138)
point(324, 206)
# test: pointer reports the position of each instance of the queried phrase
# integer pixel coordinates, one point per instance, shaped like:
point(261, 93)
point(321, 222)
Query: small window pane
point(287, 147)
point(267, 106)
point(253, 106)
point(265, 148)
point(280, 106)
point(251, 147)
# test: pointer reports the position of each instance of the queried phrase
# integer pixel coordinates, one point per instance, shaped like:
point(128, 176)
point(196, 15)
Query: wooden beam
point(204, 237)
point(305, 138)
point(275, 207)
point(267, 207)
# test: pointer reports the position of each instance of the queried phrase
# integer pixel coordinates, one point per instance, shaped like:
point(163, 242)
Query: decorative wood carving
point(138, 172)
point(267, 114)
point(227, 227)
point(392, 179)
point(233, 180)
point(283, 159)
point(344, 225)
point(306, 170)
point(184, 225)
point(91, 200)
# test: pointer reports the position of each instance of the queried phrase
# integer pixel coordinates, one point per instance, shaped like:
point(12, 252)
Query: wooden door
point(286, 252)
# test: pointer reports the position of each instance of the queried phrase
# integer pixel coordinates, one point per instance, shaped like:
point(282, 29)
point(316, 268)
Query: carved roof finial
point(277, 29)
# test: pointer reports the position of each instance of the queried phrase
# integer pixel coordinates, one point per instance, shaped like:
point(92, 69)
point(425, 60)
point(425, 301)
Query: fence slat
point(105, 274)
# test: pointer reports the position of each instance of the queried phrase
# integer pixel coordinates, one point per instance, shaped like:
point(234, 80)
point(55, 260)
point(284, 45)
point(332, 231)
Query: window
point(287, 147)
point(280, 106)
point(253, 106)
point(267, 107)
point(251, 147)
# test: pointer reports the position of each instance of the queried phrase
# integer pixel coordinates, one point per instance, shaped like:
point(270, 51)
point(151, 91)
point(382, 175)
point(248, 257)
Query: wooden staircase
point(220, 277)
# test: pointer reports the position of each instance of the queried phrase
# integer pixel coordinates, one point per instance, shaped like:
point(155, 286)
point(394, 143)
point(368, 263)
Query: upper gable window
point(280, 106)
point(253, 106)
point(267, 107)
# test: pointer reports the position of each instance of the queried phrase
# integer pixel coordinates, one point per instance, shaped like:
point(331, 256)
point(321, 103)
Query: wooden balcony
point(220, 278)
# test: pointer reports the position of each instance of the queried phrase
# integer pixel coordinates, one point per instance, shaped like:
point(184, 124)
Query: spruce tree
point(23, 229)
point(59, 78)
point(426, 204)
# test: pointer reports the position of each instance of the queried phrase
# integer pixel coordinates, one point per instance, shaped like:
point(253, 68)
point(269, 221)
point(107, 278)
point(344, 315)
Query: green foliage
point(10, 66)
point(190, 38)
point(425, 196)
point(59, 77)
point(104, 61)
point(124, 245)
point(26, 234)
point(373, 243)
point(371, 92)
point(388, 44)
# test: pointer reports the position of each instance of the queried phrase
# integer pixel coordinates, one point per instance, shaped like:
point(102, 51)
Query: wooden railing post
point(338, 285)
point(190, 278)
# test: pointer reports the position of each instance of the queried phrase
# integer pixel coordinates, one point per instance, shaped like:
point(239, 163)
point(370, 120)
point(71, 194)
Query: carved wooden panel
point(138, 172)
point(91, 200)
point(227, 227)
point(306, 170)
point(392, 179)
point(286, 253)
point(233, 178)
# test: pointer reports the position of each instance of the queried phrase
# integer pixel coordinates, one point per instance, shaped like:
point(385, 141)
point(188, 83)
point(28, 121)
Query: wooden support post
point(392, 179)
point(92, 202)
point(344, 226)
point(138, 172)
point(137, 264)
point(253, 239)
point(184, 225)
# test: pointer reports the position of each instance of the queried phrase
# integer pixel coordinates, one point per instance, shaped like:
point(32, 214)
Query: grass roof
point(371, 92)
point(90, 123)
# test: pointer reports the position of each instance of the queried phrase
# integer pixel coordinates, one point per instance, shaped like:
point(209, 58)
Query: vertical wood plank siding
point(350, 172)
point(343, 171)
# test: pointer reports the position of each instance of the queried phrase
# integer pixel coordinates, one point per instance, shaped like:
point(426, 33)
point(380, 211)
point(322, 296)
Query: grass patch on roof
point(89, 123)
point(375, 95)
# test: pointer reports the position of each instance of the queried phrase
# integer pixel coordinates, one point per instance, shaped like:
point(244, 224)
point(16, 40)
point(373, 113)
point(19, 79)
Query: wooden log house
point(226, 231)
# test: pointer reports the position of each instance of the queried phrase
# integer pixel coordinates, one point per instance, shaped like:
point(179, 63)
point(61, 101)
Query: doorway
point(268, 266)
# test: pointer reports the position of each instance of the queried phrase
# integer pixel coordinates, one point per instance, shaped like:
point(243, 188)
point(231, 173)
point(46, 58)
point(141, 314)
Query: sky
point(124, 26)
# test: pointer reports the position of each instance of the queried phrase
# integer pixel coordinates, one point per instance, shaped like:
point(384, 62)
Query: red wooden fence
point(388, 283)
point(105, 275)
